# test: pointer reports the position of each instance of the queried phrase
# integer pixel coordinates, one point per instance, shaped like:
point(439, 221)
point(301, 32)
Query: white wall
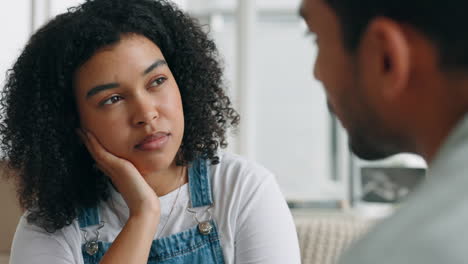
point(291, 134)
point(60, 6)
point(15, 26)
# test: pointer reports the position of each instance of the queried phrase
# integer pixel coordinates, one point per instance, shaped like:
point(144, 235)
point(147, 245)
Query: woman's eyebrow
point(100, 88)
point(156, 64)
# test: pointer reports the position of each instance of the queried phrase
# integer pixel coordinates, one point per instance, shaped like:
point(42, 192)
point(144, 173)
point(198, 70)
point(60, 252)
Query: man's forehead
point(303, 10)
point(308, 8)
point(308, 11)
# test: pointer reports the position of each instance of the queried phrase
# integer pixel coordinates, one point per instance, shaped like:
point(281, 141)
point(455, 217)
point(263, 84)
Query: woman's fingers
point(125, 176)
point(105, 161)
point(99, 153)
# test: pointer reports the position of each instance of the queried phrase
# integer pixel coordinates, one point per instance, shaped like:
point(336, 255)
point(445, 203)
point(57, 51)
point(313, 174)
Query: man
point(396, 75)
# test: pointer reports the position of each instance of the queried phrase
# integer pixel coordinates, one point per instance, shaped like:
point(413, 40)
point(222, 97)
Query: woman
point(113, 116)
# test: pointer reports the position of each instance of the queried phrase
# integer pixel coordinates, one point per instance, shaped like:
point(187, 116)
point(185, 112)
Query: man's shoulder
point(426, 230)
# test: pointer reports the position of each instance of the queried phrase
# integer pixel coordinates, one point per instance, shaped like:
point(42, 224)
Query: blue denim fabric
point(189, 246)
point(199, 184)
point(88, 217)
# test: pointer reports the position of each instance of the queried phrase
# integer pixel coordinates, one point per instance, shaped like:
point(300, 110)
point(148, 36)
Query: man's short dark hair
point(443, 22)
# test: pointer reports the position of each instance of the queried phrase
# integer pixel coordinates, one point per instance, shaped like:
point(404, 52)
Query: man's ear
point(385, 52)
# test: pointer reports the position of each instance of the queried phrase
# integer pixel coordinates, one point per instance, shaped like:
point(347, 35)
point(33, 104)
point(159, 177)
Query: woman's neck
point(164, 182)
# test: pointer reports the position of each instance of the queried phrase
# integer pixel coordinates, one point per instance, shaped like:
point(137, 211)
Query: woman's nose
point(146, 112)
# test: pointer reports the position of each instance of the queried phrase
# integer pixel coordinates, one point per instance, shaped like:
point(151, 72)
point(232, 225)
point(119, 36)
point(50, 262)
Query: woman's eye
point(112, 100)
point(158, 81)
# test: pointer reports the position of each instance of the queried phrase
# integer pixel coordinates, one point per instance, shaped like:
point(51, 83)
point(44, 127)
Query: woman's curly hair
point(54, 171)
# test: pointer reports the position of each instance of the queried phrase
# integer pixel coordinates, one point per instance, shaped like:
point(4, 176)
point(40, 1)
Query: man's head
point(383, 63)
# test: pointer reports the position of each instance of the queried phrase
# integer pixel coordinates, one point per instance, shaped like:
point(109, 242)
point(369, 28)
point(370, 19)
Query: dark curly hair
point(54, 171)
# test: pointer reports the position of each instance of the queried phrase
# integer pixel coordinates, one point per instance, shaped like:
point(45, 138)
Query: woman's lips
point(153, 142)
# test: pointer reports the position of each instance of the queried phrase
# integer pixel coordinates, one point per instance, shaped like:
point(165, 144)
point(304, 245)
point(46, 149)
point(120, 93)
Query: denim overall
point(195, 245)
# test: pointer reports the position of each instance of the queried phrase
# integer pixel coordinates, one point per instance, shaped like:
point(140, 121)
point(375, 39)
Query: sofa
point(325, 234)
point(10, 216)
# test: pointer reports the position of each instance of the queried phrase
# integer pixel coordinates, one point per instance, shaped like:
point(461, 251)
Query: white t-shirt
point(254, 222)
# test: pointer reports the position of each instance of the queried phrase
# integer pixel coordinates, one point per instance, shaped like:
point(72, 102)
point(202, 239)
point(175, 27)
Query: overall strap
point(199, 184)
point(88, 217)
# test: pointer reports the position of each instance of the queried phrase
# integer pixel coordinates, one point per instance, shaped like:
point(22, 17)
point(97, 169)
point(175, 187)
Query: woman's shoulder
point(29, 226)
point(27, 229)
point(31, 241)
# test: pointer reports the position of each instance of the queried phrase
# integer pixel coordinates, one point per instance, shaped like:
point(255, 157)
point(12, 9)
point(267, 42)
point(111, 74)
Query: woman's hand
point(139, 196)
point(133, 243)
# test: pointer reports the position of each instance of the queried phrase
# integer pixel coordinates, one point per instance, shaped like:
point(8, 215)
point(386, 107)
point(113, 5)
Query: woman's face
point(128, 98)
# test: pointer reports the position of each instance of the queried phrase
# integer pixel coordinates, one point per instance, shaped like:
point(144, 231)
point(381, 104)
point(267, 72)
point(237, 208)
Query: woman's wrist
point(146, 220)
point(149, 212)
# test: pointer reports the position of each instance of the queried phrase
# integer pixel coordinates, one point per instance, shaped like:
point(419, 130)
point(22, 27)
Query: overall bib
point(199, 244)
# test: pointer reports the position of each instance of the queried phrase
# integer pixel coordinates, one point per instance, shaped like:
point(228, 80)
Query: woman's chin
point(154, 167)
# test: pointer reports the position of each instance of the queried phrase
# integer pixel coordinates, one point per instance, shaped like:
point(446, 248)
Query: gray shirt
point(432, 226)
